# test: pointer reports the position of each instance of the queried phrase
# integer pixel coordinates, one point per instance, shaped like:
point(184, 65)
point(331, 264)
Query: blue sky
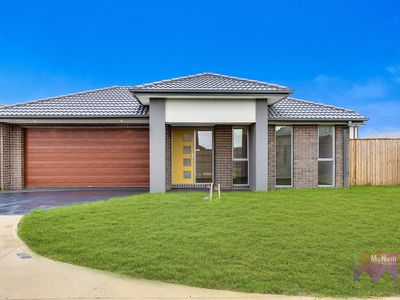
point(345, 53)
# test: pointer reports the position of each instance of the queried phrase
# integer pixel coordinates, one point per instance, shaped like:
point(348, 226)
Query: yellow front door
point(182, 156)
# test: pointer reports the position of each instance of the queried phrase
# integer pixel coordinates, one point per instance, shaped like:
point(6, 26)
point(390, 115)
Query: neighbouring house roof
point(210, 83)
point(109, 102)
point(291, 109)
point(384, 135)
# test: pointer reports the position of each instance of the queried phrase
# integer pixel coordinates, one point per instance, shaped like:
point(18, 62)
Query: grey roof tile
point(211, 82)
point(291, 109)
point(120, 102)
point(115, 101)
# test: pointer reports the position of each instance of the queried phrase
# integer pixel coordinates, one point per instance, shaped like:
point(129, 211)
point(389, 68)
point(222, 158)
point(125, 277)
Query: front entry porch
point(186, 154)
point(198, 156)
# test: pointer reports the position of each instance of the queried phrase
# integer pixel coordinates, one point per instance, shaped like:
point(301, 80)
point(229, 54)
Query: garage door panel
point(78, 177)
point(87, 172)
point(86, 132)
point(50, 154)
point(54, 153)
point(39, 165)
point(88, 145)
point(110, 183)
point(75, 157)
point(86, 142)
point(84, 135)
point(68, 157)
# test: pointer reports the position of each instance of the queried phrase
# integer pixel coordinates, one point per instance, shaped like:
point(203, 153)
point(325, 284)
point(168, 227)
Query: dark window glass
point(240, 172)
point(325, 172)
point(325, 141)
point(204, 150)
point(283, 155)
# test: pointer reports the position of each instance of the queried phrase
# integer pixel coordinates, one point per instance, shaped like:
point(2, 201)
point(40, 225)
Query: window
point(326, 155)
point(240, 143)
point(240, 172)
point(240, 156)
point(204, 156)
point(187, 149)
point(187, 137)
point(283, 136)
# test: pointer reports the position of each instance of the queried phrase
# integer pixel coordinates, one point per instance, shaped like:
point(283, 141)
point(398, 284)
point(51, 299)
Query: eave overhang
point(272, 96)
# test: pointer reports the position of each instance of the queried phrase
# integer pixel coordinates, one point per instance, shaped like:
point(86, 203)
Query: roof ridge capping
point(168, 80)
point(62, 96)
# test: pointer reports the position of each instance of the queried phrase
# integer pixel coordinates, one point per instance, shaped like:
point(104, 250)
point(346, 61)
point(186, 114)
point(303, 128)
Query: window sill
point(283, 186)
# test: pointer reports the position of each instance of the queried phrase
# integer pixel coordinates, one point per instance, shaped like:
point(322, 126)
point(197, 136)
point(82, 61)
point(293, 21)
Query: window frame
point(333, 159)
point(246, 128)
point(291, 157)
point(195, 130)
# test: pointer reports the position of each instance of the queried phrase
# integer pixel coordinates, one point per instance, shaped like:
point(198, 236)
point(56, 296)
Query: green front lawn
point(298, 242)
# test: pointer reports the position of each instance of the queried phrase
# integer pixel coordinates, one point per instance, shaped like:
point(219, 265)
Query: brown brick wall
point(168, 157)
point(271, 157)
point(223, 174)
point(305, 160)
point(11, 157)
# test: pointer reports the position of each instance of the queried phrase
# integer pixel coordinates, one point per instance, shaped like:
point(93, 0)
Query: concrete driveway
point(25, 275)
point(23, 201)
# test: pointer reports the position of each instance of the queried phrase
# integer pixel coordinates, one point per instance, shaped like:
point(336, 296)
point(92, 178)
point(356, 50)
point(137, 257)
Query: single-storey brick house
point(179, 133)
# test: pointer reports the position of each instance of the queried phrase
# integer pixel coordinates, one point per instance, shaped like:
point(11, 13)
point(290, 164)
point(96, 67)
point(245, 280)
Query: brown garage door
point(77, 157)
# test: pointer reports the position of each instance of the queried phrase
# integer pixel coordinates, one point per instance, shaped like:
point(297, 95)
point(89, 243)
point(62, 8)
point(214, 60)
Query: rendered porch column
point(258, 142)
point(157, 145)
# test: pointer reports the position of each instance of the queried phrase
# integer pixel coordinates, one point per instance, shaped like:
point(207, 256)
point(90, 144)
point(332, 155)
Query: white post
point(219, 191)
point(211, 191)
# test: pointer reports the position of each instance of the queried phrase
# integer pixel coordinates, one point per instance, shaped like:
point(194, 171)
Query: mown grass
point(297, 242)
